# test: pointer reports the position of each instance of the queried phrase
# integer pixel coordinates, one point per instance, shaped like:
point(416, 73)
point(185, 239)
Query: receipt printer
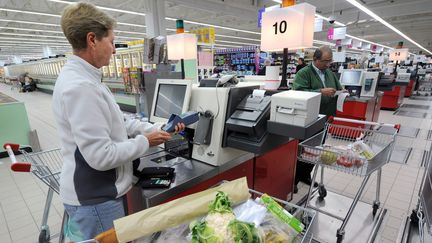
point(298, 108)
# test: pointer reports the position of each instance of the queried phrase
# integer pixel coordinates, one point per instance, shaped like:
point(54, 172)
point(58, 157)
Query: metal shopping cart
point(306, 215)
point(335, 148)
point(45, 165)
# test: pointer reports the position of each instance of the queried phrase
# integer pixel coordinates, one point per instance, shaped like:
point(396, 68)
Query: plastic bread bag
point(275, 231)
point(177, 234)
point(363, 149)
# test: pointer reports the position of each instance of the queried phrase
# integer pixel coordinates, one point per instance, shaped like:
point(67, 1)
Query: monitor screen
point(351, 77)
point(170, 99)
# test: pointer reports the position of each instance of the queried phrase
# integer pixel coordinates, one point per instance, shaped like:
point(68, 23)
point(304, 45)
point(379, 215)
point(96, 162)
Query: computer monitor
point(351, 77)
point(171, 96)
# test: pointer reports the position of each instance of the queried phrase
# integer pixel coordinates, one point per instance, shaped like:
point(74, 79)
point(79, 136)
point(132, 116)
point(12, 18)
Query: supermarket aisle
point(22, 196)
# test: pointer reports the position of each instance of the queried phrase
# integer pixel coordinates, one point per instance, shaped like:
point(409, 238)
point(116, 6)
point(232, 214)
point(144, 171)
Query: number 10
point(282, 27)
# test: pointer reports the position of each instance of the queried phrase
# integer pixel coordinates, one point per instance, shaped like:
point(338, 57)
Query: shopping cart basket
point(306, 215)
point(332, 148)
point(45, 165)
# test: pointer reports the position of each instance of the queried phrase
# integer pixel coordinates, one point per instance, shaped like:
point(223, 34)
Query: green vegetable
point(202, 233)
point(221, 204)
point(244, 232)
point(220, 225)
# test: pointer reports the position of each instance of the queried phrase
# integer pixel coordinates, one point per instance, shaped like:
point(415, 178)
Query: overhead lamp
point(28, 22)
point(25, 29)
point(237, 37)
point(33, 39)
point(32, 42)
point(29, 12)
point(370, 42)
point(233, 46)
point(240, 43)
point(104, 8)
point(182, 47)
point(323, 43)
point(129, 32)
point(19, 34)
point(381, 20)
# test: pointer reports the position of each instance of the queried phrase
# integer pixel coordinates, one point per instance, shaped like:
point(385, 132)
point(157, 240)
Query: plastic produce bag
point(250, 212)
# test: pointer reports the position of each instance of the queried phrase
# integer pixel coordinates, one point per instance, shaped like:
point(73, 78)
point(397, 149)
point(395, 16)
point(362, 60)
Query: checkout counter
point(233, 138)
point(364, 101)
point(394, 87)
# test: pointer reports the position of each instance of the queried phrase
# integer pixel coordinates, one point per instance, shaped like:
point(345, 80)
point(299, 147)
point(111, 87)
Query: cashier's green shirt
point(307, 79)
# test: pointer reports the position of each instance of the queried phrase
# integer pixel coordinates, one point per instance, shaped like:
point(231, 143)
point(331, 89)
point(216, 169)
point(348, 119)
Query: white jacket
point(97, 154)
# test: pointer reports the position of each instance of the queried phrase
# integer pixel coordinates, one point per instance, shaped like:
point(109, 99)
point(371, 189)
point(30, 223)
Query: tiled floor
point(22, 196)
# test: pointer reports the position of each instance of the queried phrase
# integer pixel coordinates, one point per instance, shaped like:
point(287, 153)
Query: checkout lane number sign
point(291, 27)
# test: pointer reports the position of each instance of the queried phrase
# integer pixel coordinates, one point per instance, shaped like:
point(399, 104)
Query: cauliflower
point(221, 226)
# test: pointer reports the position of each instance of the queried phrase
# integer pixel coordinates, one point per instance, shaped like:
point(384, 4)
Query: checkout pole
point(284, 82)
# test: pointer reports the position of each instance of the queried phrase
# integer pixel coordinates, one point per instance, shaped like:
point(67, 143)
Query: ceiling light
point(129, 32)
point(228, 45)
point(33, 42)
point(324, 43)
point(373, 15)
point(237, 37)
point(33, 39)
point(29, 12)
point(104, 8)
point(28, 22)
point(19, 34)
point(240, 43)
point(370, 42)
point(15, 28)
point(57, 25)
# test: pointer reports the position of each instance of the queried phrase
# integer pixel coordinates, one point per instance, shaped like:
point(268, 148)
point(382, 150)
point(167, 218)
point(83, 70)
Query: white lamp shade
point(290, 27)
point(182, 46)
point(398, 54)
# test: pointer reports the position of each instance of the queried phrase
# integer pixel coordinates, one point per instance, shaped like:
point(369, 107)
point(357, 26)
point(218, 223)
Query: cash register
point(351, 79)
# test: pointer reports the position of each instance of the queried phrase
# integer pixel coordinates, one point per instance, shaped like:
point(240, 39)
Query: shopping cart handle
point(332, 119)
point(21, 167)
point(16, 166)
point(397, 127)
point(13, 146)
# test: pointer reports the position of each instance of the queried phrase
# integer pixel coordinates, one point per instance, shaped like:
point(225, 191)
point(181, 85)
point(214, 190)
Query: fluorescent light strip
point(31, 42)
point(216, 26)
point(104, 8)
point(33, 39)
point(19, 34)
point(323, 43)
point(25, 29)
point(237, 37)
point(370, 42)
point(373, 15)
point(29, 12)
point(240, 43)
point(129, 32)
point(57, 25)
point(28, 22)
point(228, 45)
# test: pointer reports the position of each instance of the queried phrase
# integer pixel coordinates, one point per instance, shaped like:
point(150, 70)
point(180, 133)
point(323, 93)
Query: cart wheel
point(322, 191)
point(375, 207)
point(44, 236)
point(413, 217)
point(340, 236)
